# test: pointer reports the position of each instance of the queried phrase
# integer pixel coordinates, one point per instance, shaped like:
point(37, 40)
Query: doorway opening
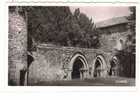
point(114, 67)
point(76, 73)
point(78, 66)
point(97, 71)
point(100, 67)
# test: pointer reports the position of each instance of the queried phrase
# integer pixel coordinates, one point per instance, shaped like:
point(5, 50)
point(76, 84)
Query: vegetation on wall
point(127, 55)
point(59, 26)
point(17, 47)
point(131, 37)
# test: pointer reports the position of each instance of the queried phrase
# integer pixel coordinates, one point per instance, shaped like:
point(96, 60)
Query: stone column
point(69, 74)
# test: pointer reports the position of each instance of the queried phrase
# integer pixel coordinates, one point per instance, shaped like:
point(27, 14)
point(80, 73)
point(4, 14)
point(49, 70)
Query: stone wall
point(17, 56)
point(114, 28)
point(53, 63)
point(50, 63)
point(114, 41)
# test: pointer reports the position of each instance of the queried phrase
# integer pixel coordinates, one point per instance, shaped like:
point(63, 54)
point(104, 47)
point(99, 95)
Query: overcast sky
point(102, 13)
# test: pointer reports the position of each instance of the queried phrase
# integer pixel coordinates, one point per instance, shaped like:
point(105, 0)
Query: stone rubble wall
point(17, 56)
point(50, 62)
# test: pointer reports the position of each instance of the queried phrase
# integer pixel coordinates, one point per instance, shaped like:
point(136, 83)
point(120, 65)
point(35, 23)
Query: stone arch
point(100, 67)
point(114, 66)
point(78, 60)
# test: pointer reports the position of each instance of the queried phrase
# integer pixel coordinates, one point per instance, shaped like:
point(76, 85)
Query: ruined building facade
point(17, 46)
point(52, 63)
point(114, 38)
point(113, 33)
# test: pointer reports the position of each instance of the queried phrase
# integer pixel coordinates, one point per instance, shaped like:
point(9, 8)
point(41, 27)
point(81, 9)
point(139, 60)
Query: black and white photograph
point(71, 46)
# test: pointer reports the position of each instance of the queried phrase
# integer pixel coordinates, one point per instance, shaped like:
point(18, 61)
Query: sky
point(100, 13)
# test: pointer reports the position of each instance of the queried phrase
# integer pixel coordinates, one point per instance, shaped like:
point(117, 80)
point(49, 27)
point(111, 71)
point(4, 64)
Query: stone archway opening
point(78, 66)
point(114, 66)
point(97, 71)
point(100, 67)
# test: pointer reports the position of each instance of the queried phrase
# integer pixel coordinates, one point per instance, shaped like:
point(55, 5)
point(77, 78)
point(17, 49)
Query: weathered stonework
point(51, 63)
point(56, 63)
point(17, 47)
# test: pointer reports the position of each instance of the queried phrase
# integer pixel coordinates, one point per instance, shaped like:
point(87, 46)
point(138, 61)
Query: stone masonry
point(51, 63)
point(56, 63)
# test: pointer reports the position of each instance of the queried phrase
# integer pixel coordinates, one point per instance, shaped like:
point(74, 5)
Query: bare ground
point(109, 81)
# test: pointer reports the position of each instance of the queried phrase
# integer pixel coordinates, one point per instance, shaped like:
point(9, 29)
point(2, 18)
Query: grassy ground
point(110, 81)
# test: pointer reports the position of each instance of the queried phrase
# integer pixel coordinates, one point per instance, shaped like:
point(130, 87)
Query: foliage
point(57, 25)
point(127, 55)
point(131, 37)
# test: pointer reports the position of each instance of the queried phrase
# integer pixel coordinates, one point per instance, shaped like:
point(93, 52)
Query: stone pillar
point(83, 73)
point(69, 74)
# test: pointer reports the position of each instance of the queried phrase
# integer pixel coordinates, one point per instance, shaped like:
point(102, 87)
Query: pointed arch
point(79, 66)
point(99, 66)
point(114, 66)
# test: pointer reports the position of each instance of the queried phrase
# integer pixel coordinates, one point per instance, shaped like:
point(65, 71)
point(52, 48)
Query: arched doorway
point(114, 66)
point(97, 71)
point(100, 67)
point(78, 66)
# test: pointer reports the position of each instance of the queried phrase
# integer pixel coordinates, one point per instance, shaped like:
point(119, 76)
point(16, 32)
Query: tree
point(88, 34)
point(127, 55)
point(131, 37)
point(59, 26)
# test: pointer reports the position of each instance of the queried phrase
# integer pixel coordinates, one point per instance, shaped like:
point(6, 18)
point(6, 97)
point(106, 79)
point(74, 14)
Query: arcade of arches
point(80, 67)
point(64, 63)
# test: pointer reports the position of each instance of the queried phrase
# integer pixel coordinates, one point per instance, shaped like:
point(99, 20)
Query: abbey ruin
point(51, 62)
